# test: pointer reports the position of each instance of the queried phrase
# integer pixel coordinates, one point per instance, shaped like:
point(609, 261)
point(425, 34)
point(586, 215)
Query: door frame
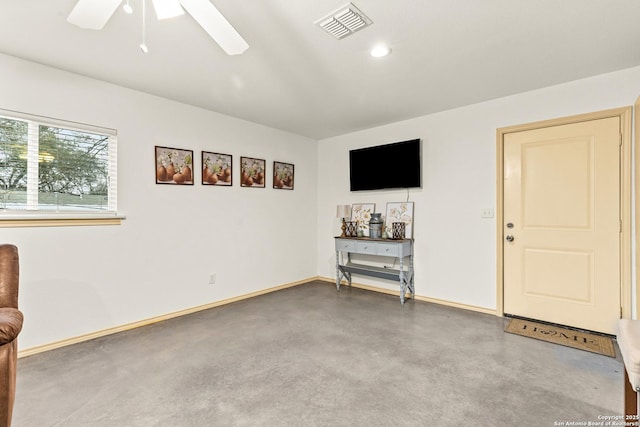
point(637, 203)
point(625, 115)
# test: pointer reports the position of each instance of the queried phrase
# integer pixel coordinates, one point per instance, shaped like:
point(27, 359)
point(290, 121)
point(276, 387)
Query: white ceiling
point(296, 77)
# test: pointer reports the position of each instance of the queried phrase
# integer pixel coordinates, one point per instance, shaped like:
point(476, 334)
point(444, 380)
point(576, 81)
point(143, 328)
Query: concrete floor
point(313, 356)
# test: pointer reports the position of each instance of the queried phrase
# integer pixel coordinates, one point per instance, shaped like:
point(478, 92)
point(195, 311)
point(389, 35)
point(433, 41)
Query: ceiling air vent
point(344, 21)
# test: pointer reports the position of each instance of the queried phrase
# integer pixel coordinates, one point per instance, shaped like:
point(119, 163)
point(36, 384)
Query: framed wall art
point(400, 212)
point(361, 214)
point(283, 175)
point(174, 166)
point(252, 172)
point(216, 169)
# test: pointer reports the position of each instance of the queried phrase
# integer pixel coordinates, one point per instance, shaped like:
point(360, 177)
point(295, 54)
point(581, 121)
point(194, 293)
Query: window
point(52, 166)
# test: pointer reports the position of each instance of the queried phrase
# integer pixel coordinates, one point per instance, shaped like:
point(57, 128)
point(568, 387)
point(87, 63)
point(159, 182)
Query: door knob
point(510, 238)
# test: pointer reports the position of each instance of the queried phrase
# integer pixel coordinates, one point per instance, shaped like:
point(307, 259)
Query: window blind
point(54, 165)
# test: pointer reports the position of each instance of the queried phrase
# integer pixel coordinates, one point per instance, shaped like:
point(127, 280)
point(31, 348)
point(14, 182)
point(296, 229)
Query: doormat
point(563, 336)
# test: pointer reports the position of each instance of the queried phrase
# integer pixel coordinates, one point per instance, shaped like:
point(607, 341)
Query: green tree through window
point(13, 156)
point(55, 168)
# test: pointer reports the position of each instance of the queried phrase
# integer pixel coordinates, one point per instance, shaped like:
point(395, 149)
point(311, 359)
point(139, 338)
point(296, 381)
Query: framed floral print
point(400, 212)
point(252, 172)
point(174, 166)
point(216, 169)
point(361, 214)
point(283, 175)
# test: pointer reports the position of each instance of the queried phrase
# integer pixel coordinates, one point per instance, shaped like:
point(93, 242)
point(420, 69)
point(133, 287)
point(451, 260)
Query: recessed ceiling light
point(380, 51)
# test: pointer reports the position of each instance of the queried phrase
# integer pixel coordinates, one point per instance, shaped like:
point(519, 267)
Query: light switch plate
point(486, 213)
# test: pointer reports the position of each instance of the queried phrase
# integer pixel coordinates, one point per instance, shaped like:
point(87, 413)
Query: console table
point(399, 249)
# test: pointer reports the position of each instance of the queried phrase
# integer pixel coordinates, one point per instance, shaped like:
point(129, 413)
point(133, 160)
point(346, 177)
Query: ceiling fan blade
point(92, 14)
point(212, 21)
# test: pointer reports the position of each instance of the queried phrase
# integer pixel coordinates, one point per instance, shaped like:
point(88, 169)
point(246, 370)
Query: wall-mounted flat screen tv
point(395, 165)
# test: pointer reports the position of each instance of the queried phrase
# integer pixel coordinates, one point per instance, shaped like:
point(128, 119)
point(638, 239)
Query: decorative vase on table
point(398, 230)
point(375, 226)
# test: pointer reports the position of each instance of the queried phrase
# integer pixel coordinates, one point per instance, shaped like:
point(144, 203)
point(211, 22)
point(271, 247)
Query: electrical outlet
point(486, 213)
point(212, 278)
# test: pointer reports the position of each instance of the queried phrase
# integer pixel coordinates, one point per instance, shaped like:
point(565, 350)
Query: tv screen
point(387, 166)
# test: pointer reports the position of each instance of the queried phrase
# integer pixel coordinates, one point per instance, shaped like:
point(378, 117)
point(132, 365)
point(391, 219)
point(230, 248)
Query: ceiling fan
point(94, 14)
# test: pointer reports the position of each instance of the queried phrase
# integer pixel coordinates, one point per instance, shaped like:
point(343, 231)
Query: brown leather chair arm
point(9, 275)
point(10, 324)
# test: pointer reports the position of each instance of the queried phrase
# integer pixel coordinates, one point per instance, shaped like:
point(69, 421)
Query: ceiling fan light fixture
point(94, 14)
point(166, 9)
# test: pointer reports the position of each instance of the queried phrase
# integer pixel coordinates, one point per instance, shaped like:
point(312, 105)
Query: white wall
point(455, 249)
point(78, 280)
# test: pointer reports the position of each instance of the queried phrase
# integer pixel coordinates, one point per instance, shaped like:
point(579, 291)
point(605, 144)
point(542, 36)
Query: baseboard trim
point(418, 297)
point(145, 322)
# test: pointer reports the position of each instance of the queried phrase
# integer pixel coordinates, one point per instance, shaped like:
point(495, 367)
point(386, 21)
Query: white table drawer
point(366, 248)
point(345, 245)
point(387, 250)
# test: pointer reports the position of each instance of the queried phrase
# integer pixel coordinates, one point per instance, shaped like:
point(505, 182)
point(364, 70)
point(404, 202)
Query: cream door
point(561, 254)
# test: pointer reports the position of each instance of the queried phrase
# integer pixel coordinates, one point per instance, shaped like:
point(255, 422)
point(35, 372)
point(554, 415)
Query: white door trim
point(625, 115)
